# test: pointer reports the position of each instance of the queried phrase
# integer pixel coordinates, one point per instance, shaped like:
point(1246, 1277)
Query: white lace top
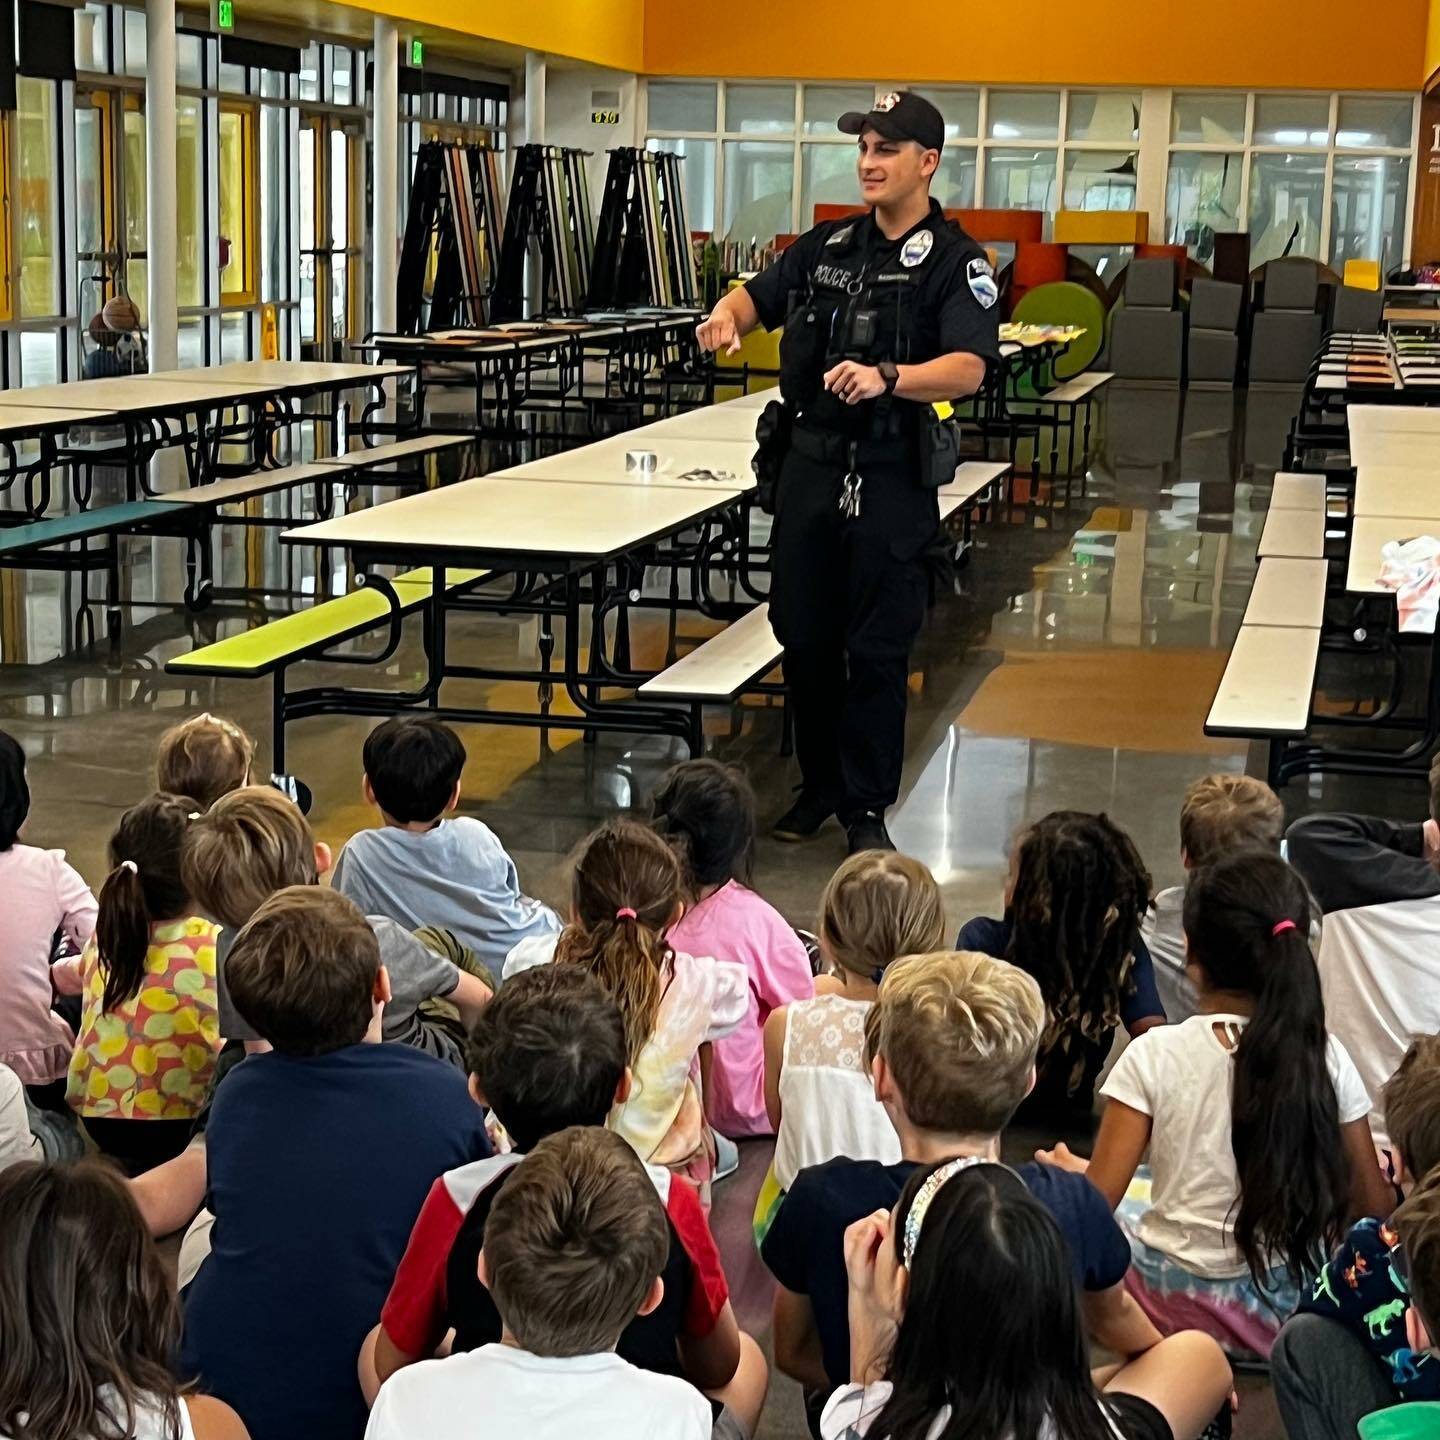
point(827, 1103)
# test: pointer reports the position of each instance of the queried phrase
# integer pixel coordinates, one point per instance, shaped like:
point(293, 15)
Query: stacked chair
point(1213, 351)
point(1285, 331)
point(1147, 335)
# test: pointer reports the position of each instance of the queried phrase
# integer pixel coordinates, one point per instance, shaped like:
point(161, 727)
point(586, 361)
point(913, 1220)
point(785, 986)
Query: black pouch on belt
point(939, 449)
point(772, 440)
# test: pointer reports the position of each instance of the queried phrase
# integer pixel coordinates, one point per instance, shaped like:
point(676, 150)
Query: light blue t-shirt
point(455, 876)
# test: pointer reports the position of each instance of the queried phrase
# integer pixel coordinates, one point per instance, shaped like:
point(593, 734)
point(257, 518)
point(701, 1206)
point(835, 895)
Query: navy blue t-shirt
point(317, 1168)
point(1053, 1089)
point(805, 1247)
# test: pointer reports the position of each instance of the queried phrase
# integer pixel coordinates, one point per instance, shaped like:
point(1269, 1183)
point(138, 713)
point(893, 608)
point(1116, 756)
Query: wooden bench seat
point(1298, 492)
point(1298, 534)
point(366, 458)
point(1268, 683)
point(1078, 390)
point(247, 487)
point(1288, 592)
point(724, 665)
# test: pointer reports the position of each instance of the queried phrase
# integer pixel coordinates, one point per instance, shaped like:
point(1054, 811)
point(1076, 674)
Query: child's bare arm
point(170, 1195)
point(710, 1361)
point(797, 1340)
point(775, 1026)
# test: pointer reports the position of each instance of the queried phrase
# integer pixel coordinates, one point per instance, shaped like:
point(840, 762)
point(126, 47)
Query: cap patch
point(916, 248)
point(886, 102)
point(982, 281)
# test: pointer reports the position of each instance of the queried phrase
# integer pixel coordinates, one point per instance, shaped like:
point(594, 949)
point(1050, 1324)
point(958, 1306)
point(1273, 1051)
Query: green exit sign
point(224, 14)
point(417, 53)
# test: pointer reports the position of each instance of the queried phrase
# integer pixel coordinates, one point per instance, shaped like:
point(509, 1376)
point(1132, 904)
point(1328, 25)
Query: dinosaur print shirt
point(1363, 1289)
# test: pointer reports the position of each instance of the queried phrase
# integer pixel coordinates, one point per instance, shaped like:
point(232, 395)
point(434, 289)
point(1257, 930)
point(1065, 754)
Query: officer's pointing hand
point(854, 383)
point(719, 331)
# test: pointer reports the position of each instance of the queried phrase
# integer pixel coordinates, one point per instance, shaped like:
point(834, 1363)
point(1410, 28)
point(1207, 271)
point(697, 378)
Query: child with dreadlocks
point(625, 898)
point(1073, 905)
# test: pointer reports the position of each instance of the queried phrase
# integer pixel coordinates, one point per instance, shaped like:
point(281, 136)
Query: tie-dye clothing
point(150, 1058)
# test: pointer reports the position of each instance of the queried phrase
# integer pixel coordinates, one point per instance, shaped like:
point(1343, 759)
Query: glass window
point(1112, 115)
point(1287, 197)
point(1292, 120)
point(134, 42)
point(1367, 209)
point(1024, 114)
point(234, 337)
point(1202, 196)
point(35, 197)
point(91, 187)
point(189, 59)
point(39, 357)
point(825, 104)
point(1099, 180)
point(759, 179)
point(1209, 118)
point(342, 61)
point(191, 343)
point(232, 78)
point(135, 195)
point(274, 209)
point(697, 175)
point(92, 38)
point(760, 109)
point(827, 177)
point(1020, 179)
point(673, 105)
point(235, 169)
point(190, 253)
point(954, 182)
point(339, 228)
point(961, 109)
point(309, 78)
point(1375, 122)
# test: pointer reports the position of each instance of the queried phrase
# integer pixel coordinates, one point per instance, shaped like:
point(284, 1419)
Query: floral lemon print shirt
point(152, 1057)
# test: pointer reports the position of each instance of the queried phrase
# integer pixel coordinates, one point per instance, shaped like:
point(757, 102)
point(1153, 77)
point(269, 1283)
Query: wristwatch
point(890, 374)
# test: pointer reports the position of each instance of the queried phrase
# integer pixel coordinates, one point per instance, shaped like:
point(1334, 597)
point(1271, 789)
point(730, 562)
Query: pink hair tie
point(1281, 927)
point(625, 913)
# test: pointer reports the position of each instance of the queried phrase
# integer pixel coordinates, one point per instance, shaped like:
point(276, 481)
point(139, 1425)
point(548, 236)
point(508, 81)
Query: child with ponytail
point(149, 1029)
point(625, 897)
point(1255, 1118)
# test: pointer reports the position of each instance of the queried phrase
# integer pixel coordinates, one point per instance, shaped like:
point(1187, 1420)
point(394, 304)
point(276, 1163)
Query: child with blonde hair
point(204, 757)
point(878, 906)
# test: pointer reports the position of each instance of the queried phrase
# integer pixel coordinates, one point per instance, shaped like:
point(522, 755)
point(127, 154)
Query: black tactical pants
point(847, 599)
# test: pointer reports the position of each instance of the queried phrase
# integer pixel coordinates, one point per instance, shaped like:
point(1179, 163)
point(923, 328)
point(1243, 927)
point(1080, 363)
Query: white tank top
point(827, 1103)
point(150, 1424)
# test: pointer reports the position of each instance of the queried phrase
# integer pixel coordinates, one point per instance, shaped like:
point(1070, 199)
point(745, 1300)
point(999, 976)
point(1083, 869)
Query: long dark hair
point(145, 886)
point(1285, 1123)
point(1012, 1359)
point(706, 813)
point(14, 790)
point(1081, 889)
point(88, 1318)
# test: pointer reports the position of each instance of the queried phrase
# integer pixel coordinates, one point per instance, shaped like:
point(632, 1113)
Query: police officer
point(884, 315)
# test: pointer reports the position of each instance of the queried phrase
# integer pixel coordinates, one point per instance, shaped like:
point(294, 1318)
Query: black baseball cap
point(900, 115)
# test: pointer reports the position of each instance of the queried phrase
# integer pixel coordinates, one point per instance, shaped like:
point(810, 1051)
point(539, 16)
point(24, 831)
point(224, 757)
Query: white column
point(385, 136)
point(1153, 164)
point(160, 206)
point(534, 98)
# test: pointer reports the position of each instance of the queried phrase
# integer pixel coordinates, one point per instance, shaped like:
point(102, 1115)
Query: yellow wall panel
point(1101, 227)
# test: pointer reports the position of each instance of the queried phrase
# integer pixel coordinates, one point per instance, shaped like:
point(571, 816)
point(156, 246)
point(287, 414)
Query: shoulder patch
point(916, 248)
point(840, 236)
point(981, 279)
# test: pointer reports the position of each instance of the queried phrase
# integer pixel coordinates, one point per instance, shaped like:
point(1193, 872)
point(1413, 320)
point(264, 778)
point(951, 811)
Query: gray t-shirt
point(416, 973)
point(455, 876)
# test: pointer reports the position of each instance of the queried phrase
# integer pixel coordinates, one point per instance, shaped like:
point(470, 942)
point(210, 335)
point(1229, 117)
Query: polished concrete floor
point(1071, 666)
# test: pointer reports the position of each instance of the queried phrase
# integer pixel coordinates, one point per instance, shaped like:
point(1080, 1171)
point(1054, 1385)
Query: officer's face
point(892, 170)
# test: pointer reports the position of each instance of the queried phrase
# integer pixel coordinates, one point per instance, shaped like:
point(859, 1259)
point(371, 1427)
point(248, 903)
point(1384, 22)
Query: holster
point(773, 435)
point(939, 449)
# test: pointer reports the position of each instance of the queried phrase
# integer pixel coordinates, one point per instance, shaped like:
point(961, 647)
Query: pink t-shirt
point(42, 895)
point(736, 924)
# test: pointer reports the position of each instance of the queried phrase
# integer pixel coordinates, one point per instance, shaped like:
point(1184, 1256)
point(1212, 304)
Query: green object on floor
point(1419, 1420)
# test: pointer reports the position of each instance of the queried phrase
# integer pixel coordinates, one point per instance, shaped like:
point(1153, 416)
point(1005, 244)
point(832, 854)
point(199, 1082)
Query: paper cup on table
point(641, 461)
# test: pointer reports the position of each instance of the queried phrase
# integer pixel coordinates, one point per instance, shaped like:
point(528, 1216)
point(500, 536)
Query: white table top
point(1403, 449)
point(283, 374)
point(1288, 591)
point(1369, 534)
point(1393, 420)
point(1262, 689)
point(1299, 533)
point(502, 517)
point(751, 400)
point(138, 394)
point(1397, 490)
point(1298, 492)
point(603, 463)
point(713, 422)
point(18, 419)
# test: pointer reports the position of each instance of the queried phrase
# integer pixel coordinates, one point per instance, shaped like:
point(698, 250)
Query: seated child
point(625, 896)
point(319, 1154)
point(1378, 885)
point(1253, 1116)
point(204, 757)
point(1010, 1360)
point(878, 906)
point(89, 1322)
point(706, 812)
point(1346, 1352)
point(549, 1053)
point(1220, 813)
point(149, 1032)
point(30, 1133)
point(421, 868)
point(951, 1043)
point(1076, 893)
point(1417, 1222)
point(43, 897)
point(574, 1249)
point(254, 842)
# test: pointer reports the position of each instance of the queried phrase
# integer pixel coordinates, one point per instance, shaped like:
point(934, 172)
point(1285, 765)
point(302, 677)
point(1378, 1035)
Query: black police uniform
point(850, 577)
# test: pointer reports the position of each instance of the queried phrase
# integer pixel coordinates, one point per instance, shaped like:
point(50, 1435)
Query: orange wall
point(1320, 44)
point(1432, 43)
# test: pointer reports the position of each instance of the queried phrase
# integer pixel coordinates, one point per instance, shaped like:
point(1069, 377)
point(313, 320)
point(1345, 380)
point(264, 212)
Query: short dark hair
point(548, 1052)
point(1412, 1105)
point(573, 1242)
point(302, 971)
point(14, 790)
point(413, 763)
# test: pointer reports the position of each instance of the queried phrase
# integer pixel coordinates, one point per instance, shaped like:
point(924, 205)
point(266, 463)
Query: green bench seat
point(109, 520)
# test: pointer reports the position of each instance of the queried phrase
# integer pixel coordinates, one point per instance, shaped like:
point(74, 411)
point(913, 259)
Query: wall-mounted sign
point(225, 14)
point(417, 53)
point(604, 117)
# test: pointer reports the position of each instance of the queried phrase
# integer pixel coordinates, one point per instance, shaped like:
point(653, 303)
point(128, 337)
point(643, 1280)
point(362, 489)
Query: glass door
point(331, 197)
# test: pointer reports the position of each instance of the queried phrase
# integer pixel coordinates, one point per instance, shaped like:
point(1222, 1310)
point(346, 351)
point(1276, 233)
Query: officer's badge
point(982, 282)
point(916, 248)
point(886, 102)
